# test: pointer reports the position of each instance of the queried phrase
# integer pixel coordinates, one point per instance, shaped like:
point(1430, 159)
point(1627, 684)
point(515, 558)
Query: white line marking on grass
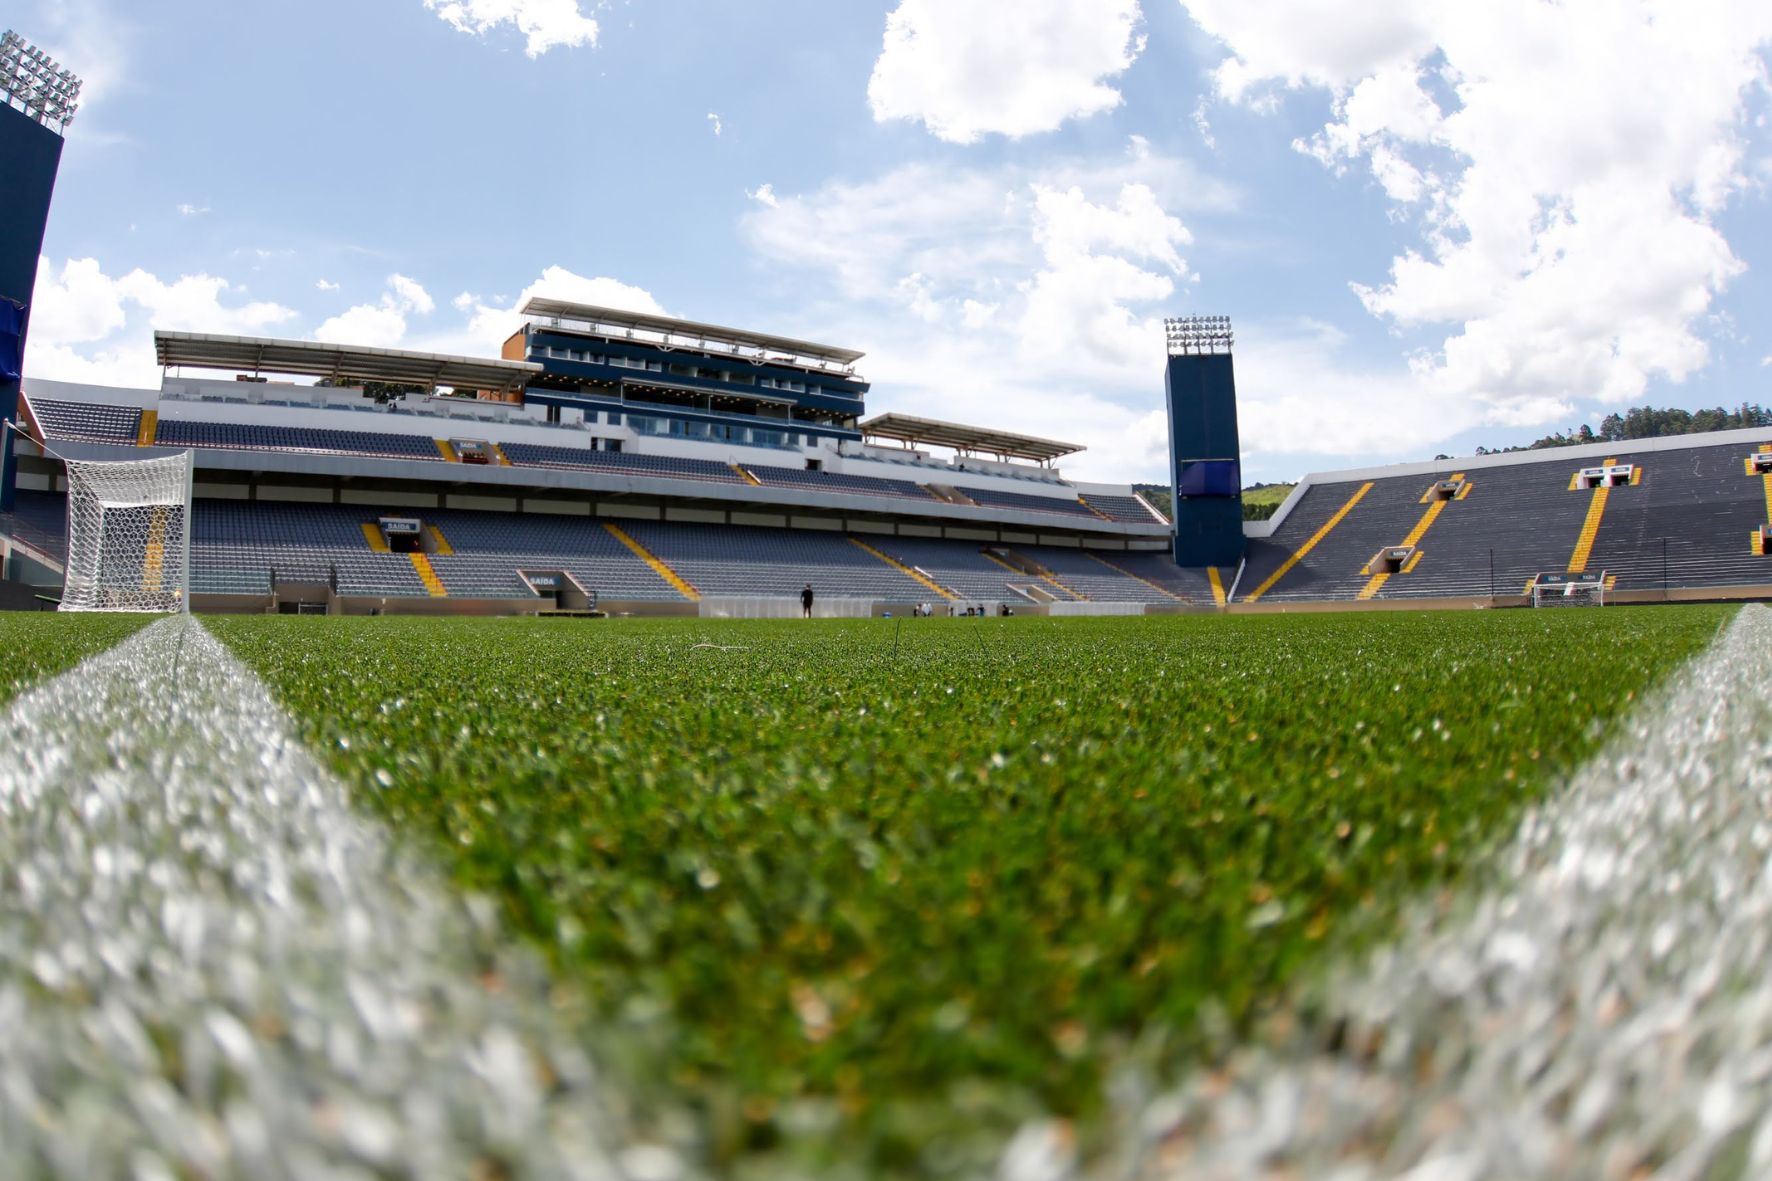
point(1602, 1008)
point(211, 967)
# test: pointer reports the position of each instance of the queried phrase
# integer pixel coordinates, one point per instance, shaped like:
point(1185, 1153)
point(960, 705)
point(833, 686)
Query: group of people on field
point(923, 610)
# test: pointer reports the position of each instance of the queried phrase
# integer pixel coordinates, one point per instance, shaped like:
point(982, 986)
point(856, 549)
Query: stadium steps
point(428, 576)
point(144, 436)
point(447, 450)
point(658, 566)
point(372, 534)
point(948, 493)
point(439, 543)
point(1435, 506)
point(1036, 570)
point(498, 454)
point(1162, 590)
point(907, 571)
point(1310, 543)
point(1590, 530)
point(747, 477)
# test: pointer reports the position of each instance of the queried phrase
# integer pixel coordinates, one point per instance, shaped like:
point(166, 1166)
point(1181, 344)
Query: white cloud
point(1001, 295)
point(543, 23)
point(491, 321)
point(186, 209)
point(88, 37)
point(715, 120)
point(1004, 67)
point(88, 326)
point(763, 194)
point(325, 285)
point(381, 324)
point(1562, 163)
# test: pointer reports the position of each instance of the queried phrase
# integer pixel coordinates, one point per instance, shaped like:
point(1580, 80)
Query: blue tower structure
point(1205, 468)
point(36, 104)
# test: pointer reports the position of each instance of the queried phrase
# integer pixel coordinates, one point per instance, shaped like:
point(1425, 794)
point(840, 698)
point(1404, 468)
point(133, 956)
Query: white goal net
point(129, 535)
point(1570, 594)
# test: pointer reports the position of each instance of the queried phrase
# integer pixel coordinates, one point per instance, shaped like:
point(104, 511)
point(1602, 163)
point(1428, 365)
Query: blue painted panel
point(1204, 454)
point(29, 156)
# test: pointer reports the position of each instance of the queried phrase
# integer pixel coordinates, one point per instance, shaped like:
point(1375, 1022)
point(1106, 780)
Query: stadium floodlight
point(1198, 334)
point(36, 84)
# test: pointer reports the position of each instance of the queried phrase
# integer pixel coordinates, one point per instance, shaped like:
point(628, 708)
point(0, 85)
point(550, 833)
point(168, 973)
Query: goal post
point(1569, 591)
point(129, 535)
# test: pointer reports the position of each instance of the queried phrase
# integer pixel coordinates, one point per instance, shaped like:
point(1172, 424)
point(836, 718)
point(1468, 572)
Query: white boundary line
point(1603, 1010)
point(211, 966)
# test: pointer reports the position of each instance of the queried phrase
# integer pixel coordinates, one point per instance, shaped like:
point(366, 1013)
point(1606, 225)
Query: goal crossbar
point(129, 534)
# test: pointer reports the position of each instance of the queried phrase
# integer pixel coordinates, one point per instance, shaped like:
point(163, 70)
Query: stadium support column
point(1204, 452)
point(36, 102)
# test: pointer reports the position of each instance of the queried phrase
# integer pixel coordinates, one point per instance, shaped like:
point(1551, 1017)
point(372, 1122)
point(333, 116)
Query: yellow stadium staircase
point(658, 565)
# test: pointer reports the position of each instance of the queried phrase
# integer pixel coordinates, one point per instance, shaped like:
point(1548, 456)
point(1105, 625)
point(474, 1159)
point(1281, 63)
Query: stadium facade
point(644, 463)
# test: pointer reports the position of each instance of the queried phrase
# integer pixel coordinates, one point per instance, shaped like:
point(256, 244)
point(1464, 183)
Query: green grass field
point(39, 644)
point(872, 892)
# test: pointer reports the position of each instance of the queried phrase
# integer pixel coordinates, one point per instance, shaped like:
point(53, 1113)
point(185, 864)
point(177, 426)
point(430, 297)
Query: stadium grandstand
point(642, 464)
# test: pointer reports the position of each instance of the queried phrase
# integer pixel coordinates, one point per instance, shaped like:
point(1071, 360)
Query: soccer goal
point(129, 535)
point(1569, 591)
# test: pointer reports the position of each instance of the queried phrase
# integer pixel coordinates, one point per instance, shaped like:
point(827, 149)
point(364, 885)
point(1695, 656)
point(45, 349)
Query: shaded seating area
point(822, 481)
point(254, 437)
point(1123, 508)
point(992, 498)
point(585, 459)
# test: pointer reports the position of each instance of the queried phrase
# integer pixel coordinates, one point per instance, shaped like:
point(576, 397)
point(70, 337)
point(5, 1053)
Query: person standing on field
point(806, 600)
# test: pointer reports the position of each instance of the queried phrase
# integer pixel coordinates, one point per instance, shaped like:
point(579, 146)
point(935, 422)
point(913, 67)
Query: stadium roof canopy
point(912, 431)
point(668, 332)
point(309, 358)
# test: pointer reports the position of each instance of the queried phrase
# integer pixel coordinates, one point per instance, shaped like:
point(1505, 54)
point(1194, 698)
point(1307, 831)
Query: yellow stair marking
point(1464, 491)
point(154, 560)
point(447, 450)
point(1428, 517)
point(1020, 573)
point(372, 534)
point(1414, 561)
point(498, 455)
point(657, 564)
point(1590, 529)
point(1310, 543)
point(903, 569)
point(1122, 570)
point(746, 476)
point(427, 575)
point(1766, 478)
point(1084, 501)
point(439, 542)
point(150, 423)
point(1217, 582)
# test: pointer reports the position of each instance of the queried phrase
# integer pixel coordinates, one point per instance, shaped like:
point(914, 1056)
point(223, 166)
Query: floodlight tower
point(1204, 453)
point(40, 98)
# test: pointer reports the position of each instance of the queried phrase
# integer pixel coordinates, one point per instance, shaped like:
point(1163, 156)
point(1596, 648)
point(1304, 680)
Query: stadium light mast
point(40, 99)
point(36, 85)
point(1205, 452)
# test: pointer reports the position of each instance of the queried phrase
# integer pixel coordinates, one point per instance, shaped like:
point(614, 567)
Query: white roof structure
point(668, 332)
point(914, 431)
point(252, 354)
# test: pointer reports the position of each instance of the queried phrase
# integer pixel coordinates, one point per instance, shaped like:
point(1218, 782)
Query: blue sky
point(1434, 224)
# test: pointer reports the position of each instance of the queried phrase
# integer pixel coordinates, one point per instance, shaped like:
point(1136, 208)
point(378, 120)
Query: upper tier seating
point(583, 458)
point(737, 560)
point(1093, 579)
point(87, 423)
point(835, 482)
point(253, 437)
point(1122, 508)
point(992, 498)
